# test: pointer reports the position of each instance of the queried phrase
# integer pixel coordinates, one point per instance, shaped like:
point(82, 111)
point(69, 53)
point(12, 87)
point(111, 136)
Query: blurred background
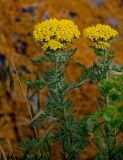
point(17, 19)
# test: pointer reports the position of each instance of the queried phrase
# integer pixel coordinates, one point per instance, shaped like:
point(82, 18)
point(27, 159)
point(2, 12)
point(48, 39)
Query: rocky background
point(17, 19)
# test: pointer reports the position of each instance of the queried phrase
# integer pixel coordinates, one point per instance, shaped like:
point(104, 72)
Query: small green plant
point(106, 123)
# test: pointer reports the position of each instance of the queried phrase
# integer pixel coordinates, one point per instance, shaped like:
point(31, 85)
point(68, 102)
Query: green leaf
point(26, 156)
point(116, 68)
point(121, 128)
point(39, 60)
point(113, 116)
point(37, 84)
point(97, 115)
point(109, 114)
point(96, 126)
point(80, 64)
point(71, 52)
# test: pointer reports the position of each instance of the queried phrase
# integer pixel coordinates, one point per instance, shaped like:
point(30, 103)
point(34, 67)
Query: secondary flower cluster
point(54, 34)
point(102, 45)
point(53, 45)
point(101, 35)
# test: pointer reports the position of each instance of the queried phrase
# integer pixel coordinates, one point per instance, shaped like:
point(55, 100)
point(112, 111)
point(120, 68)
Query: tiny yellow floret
point(55, 32)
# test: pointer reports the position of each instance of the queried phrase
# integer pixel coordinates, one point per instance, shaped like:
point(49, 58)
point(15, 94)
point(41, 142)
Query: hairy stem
point(58, 95)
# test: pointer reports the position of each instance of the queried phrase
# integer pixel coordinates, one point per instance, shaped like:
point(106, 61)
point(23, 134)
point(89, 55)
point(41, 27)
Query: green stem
point(105, 74)
point(107, 128)
point(107, 77)
point(58, 95)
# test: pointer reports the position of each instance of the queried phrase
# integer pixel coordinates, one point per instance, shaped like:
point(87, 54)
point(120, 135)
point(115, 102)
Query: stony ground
point(17, 19)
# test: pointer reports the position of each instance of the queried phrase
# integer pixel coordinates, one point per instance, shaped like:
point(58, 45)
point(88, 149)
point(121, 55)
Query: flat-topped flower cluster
point(100, 32)
point(54, 34)
point(101, 35)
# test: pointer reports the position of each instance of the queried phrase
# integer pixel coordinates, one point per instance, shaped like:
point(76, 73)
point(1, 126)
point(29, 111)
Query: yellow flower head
point(52, 45)
point(100, 33)
point(55, 32)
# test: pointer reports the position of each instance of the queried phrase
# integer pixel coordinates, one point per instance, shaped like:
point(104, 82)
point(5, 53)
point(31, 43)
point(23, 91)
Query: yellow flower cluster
point(52, 45)
point(101, 35)
point(100, 32)
point(55, 34)
point(102, 45)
